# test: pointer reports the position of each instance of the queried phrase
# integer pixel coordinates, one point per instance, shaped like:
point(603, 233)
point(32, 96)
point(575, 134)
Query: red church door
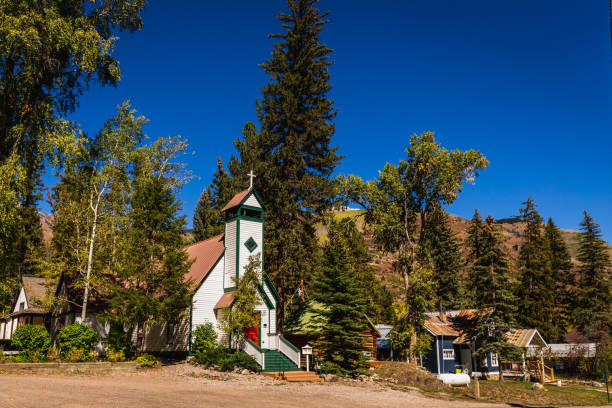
point(253, 332)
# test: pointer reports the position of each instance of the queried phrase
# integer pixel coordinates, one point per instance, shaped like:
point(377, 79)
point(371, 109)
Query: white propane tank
point(461, 379)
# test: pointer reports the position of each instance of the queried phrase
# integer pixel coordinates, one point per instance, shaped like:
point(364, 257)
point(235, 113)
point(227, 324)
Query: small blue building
point(453, 347)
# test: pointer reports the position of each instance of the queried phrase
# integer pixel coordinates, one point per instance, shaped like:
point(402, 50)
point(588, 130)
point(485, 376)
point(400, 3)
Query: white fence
point(254, 351)
point(288, 349)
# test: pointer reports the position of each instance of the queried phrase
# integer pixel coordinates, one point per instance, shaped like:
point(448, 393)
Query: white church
point(218, 261)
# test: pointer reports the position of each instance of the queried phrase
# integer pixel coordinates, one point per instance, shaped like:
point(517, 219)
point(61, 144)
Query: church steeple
point(244, 217)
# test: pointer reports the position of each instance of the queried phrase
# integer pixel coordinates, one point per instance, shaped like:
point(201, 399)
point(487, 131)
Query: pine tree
point(208, 218)
point(475, 246)
point(340, 341)
point(592, 310)
point(378, 299)
point(493, 293)
point(441, 247)
point(292, 154)
point(561, 265)
point(536, 290)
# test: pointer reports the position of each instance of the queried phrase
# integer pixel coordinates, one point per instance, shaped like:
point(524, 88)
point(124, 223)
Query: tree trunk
point(413, 342)
point(90, 260)
point(139, 337)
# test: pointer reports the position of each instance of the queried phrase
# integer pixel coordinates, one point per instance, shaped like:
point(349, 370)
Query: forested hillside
point(511, 229)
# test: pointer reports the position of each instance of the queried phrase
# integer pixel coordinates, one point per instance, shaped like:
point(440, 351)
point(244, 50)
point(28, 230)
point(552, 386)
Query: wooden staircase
point(277, 362)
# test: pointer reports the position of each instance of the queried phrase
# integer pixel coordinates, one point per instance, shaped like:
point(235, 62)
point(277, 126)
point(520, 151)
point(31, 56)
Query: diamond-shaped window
point(250, 244)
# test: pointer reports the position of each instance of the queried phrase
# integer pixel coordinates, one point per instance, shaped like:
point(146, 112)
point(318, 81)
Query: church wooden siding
point(249, 229)
point(252, 201)
point(230, 254)
point(263, 332)
point(272, 313)
point(206, 297)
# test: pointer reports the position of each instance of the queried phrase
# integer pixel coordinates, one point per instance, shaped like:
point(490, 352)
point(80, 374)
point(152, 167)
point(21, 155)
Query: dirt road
point(187, 386)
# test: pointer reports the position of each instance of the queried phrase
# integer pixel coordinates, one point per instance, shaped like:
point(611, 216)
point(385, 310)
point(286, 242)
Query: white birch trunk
point(94, 210)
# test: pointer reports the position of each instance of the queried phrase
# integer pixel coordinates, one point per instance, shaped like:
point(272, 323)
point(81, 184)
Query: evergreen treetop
point(494, 299)
point(442, 249)
point(292, 154)
point(563, 276)
point(594, 295)
point(537, 286)
point(336, 287)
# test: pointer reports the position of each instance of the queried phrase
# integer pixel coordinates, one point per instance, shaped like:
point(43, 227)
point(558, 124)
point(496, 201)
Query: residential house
point(30, 307)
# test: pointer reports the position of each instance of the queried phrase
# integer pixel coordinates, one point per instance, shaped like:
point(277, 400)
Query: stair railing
point(256, 352)
point(289, 350)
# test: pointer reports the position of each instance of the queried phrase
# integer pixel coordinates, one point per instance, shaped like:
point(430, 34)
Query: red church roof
point(205, 253)
point(237, 199)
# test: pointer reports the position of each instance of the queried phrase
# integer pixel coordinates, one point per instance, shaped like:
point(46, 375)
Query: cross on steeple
point(251, 177)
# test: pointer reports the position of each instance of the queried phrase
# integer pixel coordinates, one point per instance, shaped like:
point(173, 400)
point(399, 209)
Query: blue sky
point(528, 83)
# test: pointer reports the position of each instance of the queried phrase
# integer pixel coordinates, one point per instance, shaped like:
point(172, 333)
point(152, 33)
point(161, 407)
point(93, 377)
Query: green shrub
point(205, 338)
point(119, 342)
point(32, 341)
point(226, 360)
point(77, 337)
point(147, 360)
point(211, 356)
point(244, 360)
point(114, 356)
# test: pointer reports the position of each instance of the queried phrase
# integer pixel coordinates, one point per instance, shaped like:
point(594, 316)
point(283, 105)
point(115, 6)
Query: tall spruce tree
point(378, 300)
point(441, 247)
point(475, 250)
point(336, 288)
point(563, 276)
point(292, 154)
point(536, 289)
point(592, 308)
point(493, 298)
point(208, 218)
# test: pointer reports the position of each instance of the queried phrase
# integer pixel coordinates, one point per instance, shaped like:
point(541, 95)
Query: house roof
point(225, 300)
point(524, 338)
point(237, 199)
point(36, 290)
point(457, 323)
point(205, 255)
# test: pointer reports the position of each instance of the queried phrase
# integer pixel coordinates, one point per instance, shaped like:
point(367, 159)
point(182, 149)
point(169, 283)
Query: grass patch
point(519, 392)
point(404, 376)
point(522, 393)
